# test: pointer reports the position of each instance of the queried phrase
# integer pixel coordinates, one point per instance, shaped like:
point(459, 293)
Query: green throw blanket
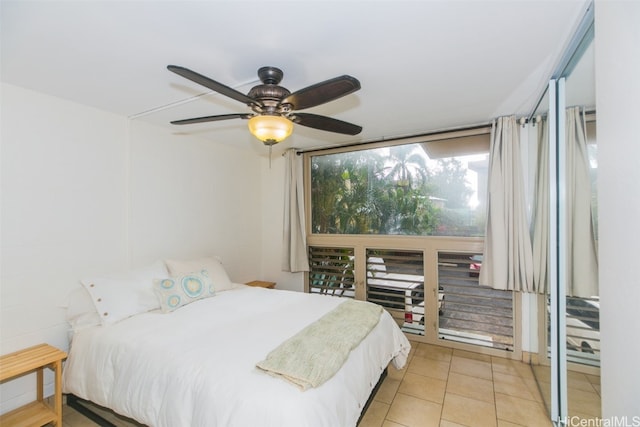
point(317, 352)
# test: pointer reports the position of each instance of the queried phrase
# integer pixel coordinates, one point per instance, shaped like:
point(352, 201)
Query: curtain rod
point(397, 139)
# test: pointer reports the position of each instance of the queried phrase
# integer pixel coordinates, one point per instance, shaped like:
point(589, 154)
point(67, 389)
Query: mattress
point(196, 366)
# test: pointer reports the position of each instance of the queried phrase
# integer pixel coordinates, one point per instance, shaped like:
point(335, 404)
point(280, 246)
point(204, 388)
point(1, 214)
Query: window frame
point(430, 245)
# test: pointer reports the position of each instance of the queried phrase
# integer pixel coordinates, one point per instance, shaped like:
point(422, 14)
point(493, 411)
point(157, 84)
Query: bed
point(196, 365)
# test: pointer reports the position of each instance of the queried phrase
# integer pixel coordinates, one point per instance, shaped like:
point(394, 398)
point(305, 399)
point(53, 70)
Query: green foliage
point(370, 192)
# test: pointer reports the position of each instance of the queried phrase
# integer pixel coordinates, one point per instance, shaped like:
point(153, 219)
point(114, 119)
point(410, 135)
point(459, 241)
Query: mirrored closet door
point(568, 373)
point(582, 307)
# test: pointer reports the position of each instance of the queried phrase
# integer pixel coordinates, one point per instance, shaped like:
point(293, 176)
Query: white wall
point(86, 193)
point(617, 54)
point(191, 197)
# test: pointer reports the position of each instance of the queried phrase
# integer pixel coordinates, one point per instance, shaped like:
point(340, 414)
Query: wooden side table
point(29, 360)
point(262, 284)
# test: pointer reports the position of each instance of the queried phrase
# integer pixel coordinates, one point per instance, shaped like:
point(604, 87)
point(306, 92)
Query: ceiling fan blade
point(326, 123)
point(211, 118)
point(322, 92)
point(213, 85)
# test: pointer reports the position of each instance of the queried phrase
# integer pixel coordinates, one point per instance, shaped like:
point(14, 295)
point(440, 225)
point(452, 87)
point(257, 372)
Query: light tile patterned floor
point(583, 394)
point(447, 388)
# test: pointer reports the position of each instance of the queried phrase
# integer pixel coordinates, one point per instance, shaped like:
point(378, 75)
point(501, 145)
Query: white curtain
point(581, 253)
point(580, 236)
point(541, 212)
point(294, 240)
point(508, 260)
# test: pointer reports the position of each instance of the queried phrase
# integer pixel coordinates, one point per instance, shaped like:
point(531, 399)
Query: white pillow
point(174, 292)
point(81, 311)
point(120, 296)
point(217, 274)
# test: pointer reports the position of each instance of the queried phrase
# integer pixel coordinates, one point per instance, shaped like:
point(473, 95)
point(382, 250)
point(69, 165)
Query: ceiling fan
point(273, 108)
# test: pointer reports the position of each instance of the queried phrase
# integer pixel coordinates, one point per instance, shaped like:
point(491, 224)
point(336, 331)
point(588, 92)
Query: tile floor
point(583, 393)
point(446, 388)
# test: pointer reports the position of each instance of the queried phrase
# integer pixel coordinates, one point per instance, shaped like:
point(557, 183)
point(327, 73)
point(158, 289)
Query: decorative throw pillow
point(174, 292)
point(217, 273)
point(117, 297)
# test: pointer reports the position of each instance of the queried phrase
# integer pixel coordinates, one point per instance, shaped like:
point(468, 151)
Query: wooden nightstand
point(29, 360)
point(262, 284)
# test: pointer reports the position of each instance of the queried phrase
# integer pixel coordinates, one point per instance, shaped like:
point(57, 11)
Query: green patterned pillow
point(174, 292)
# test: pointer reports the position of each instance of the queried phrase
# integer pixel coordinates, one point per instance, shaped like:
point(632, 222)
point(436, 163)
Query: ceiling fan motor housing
point(269, 93)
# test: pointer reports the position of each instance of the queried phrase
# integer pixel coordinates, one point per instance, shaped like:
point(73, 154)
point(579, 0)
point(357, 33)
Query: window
point(395, 280)
point(473, 314)
point(398, 224)
point(426, 189)
point(331, 271)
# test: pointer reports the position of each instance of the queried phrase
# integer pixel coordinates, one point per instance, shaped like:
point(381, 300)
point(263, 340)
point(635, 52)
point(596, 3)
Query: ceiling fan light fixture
point(270, 129)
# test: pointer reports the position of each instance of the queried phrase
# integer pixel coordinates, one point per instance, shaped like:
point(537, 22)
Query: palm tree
point(409, 166)
point(354, 193)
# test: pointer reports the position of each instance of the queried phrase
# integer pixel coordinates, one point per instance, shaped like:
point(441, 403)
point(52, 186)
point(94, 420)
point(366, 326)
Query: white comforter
point(196, 365)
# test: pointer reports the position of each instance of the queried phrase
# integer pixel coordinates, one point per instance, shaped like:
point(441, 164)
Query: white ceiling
point(423, 65)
